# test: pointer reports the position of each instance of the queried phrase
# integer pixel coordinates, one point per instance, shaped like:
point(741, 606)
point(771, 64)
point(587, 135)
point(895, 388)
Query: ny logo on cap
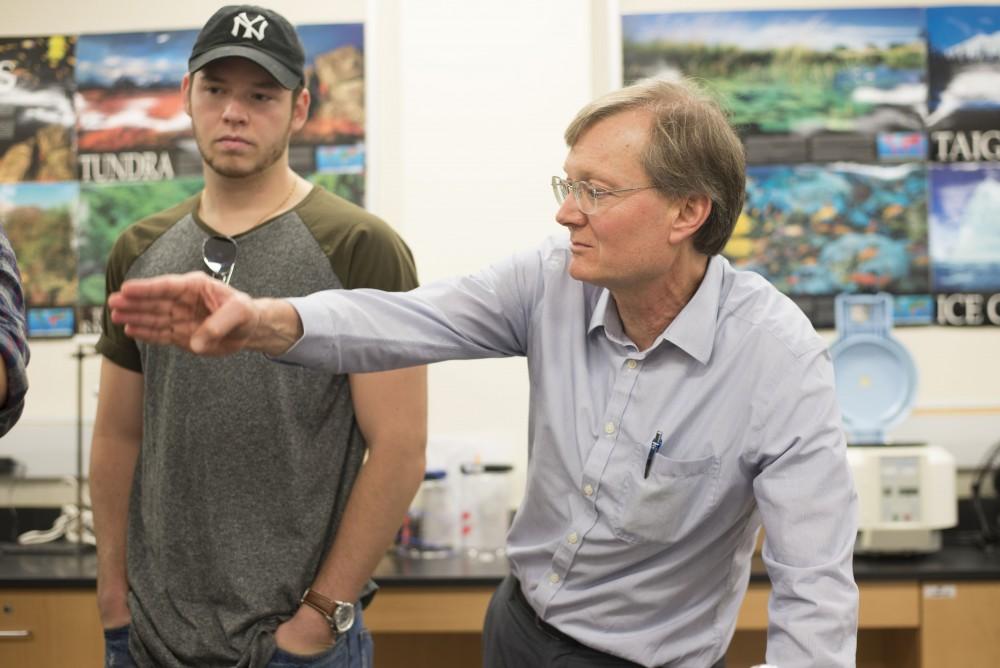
point(250, 28)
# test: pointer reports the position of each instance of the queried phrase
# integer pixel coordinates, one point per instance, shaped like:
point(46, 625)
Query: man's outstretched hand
point(203, 315)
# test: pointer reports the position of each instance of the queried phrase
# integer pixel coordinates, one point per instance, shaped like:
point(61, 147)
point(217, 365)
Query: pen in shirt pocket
point(654, 447)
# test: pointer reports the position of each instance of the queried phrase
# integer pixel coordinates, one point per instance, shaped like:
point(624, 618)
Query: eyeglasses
point(587, 196)
point(219, 255)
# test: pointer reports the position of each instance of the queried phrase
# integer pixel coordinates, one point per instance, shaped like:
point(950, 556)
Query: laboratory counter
point(951, 563)
point(923, 611)
point(64, 569)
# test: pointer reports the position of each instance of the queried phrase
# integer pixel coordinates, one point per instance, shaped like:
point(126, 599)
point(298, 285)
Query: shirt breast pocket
point(667, 505)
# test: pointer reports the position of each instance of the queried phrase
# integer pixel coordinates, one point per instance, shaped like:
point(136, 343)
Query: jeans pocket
point(326, 659)
point(116, 653)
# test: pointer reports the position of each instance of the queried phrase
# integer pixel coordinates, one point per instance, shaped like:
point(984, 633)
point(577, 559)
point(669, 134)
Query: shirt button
point(609, 428)
point(554, 578)
point(632, 364)
point(572, 538)
point(588, 490)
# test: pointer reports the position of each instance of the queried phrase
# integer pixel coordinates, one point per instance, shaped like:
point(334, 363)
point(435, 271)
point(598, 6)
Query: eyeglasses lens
point(582, 192)
point(560, 189)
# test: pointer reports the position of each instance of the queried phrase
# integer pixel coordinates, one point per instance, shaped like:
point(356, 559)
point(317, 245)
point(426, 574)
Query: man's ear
point(692, 214)
point(186, 92)
point(300, 110)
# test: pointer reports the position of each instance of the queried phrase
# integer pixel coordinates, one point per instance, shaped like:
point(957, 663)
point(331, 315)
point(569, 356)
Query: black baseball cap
point(257, 34)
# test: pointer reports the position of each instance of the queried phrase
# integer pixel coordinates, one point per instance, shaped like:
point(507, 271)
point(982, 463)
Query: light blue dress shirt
point(652, 569)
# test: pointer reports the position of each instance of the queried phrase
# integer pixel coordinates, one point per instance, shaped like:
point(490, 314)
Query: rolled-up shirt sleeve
point(13, 337)
point(808, 505)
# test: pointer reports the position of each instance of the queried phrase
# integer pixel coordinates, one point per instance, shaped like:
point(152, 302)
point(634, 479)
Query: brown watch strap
point(320, 603)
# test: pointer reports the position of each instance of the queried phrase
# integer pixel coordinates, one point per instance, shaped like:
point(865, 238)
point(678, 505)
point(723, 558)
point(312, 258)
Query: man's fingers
point(191, 310)
point(149, 313)
point(140, 318)
point(120, 303)
point(157, 335)
point(168, 287)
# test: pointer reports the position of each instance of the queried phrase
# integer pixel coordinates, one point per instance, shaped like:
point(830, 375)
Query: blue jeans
point(116, 648)
point(352, 650)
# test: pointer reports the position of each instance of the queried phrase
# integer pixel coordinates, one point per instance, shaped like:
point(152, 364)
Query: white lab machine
point(906, 491)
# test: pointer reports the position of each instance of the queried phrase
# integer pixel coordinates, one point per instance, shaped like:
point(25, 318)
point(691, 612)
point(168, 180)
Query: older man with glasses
point(677, 404)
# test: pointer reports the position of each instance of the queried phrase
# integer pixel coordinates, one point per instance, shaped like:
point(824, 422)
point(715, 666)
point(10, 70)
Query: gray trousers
point(515, 637)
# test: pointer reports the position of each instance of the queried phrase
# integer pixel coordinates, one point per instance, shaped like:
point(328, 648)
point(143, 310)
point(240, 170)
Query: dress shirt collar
point(693, 330)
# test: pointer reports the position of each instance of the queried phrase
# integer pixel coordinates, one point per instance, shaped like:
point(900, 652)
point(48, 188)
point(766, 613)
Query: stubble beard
point(271, 155)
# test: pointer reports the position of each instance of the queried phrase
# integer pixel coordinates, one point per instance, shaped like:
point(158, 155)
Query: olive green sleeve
point(364, 251)
point(114, 344)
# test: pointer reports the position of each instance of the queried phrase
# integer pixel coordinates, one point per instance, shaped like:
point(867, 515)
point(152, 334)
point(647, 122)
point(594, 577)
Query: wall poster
point(94, 137)
point(38, 219)
point(854, 122)
point(37, 119)
point(964, 98)
point(817, 230)
point(802, 85)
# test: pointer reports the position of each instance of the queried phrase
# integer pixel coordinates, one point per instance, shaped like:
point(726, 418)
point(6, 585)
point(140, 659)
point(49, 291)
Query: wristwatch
point(338, 614)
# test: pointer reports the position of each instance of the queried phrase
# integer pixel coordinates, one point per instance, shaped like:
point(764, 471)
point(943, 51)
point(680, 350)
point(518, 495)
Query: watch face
point(343, 617)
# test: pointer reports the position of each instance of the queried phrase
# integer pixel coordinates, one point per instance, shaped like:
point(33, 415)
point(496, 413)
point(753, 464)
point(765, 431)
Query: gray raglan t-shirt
point(245, 465)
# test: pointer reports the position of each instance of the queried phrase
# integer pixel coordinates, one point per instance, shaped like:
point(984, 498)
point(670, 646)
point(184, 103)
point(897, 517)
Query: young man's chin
point(233, 169)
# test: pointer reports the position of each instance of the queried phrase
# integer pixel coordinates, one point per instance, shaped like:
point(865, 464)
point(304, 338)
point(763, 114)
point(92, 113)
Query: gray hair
point(692, 149)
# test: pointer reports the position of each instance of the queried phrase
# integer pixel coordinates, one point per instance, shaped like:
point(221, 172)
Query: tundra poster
point(133, 126)
point(132, 121)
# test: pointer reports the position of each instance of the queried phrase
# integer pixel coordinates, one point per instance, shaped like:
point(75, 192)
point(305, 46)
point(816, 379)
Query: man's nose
point(234, 111)
point(569, 213)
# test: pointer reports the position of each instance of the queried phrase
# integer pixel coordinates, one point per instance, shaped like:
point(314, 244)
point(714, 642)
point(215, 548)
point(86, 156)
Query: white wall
point(484, 92)
point(467, 104)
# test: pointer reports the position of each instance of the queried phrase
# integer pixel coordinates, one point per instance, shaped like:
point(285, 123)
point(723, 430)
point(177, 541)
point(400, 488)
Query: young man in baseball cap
point(236, 523)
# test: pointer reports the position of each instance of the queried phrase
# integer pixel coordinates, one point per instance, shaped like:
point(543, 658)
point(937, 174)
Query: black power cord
point(989, 529)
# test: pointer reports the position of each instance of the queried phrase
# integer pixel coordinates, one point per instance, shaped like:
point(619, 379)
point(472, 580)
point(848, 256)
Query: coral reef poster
point(818, 230)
